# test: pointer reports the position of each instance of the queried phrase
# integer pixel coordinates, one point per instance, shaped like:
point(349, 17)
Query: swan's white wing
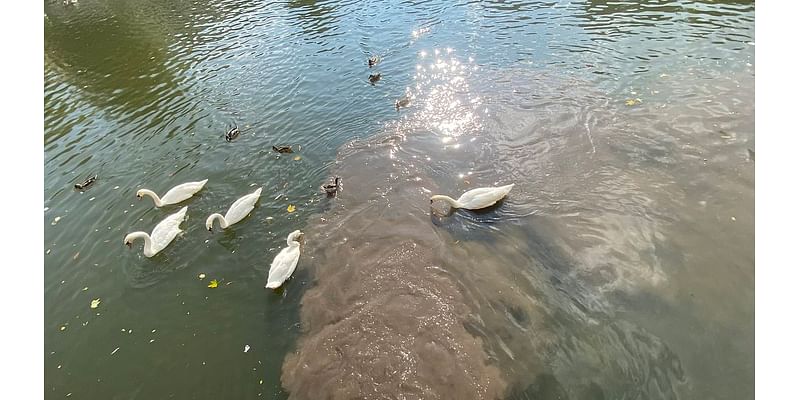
point(166, 230)
point(182, 192)
point(241, 207)
point(283, 266)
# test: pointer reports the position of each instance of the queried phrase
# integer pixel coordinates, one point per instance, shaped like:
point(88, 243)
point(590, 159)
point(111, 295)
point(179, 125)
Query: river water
point(621, 265)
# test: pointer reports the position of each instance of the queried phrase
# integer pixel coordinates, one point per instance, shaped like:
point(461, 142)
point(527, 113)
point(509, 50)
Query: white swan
point(239, 209)
point(285, 262)
point(476, 199)
point(162, 235)
point(175, 195)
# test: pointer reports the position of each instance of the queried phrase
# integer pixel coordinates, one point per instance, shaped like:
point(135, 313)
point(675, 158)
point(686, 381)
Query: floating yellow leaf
point(213, 283)
point(95, 303)
point(632, 102)
point(297, 158)
point(291, 208)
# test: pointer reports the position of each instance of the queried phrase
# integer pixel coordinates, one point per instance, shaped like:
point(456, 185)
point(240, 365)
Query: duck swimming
point(86, 183)
point(373, 61)
point(402, 102)
point(476, 199)
point(283, 149)
point(232, 133)
point(332, 187)
point(374, 78)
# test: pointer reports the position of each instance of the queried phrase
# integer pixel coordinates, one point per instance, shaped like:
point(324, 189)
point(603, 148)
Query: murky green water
point(621, 266)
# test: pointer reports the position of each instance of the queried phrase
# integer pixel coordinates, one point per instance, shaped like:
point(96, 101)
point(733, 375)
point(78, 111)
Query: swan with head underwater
point(163, 234)
point(285, 262)
point(175, 195)
point(238, 211)
point(476, 199)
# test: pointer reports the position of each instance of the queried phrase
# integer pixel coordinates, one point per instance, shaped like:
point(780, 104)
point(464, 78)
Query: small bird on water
point(374, 78)
point(373, 61)
point(86, 183)
point(403, 102)
point(232, 133)
point(332, 187)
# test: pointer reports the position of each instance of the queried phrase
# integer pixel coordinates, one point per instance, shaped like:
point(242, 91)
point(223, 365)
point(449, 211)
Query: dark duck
point(86, 183)
point(374, 78)
point(232, 133)
point(332, 187)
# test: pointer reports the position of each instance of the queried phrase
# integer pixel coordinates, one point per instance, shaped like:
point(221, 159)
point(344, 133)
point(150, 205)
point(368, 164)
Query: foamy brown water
point(526, 299)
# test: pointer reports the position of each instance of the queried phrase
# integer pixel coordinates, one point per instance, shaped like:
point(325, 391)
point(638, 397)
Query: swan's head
point(294, 237)
point(139, 194)
point(129, 241)
point(210, 223)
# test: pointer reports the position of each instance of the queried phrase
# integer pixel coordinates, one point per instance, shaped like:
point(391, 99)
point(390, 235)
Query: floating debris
point(246, 348)
point(632, 102)
point(55, 220)
point(283, 149)
point(95, 303)
point(85, 288)
point(297, 158)
point(75, 257)
point(212, 285)
point(62, 328)
point(202, 276)
point(291, 208)
point(152, 340)
point(115, 350)
point(86, 183)
point(116, 187)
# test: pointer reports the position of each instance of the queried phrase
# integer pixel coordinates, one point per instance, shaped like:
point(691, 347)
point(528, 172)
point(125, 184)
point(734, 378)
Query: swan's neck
point(223, 223)
point(148, 244)
point(448, 199)
point(156, 199)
